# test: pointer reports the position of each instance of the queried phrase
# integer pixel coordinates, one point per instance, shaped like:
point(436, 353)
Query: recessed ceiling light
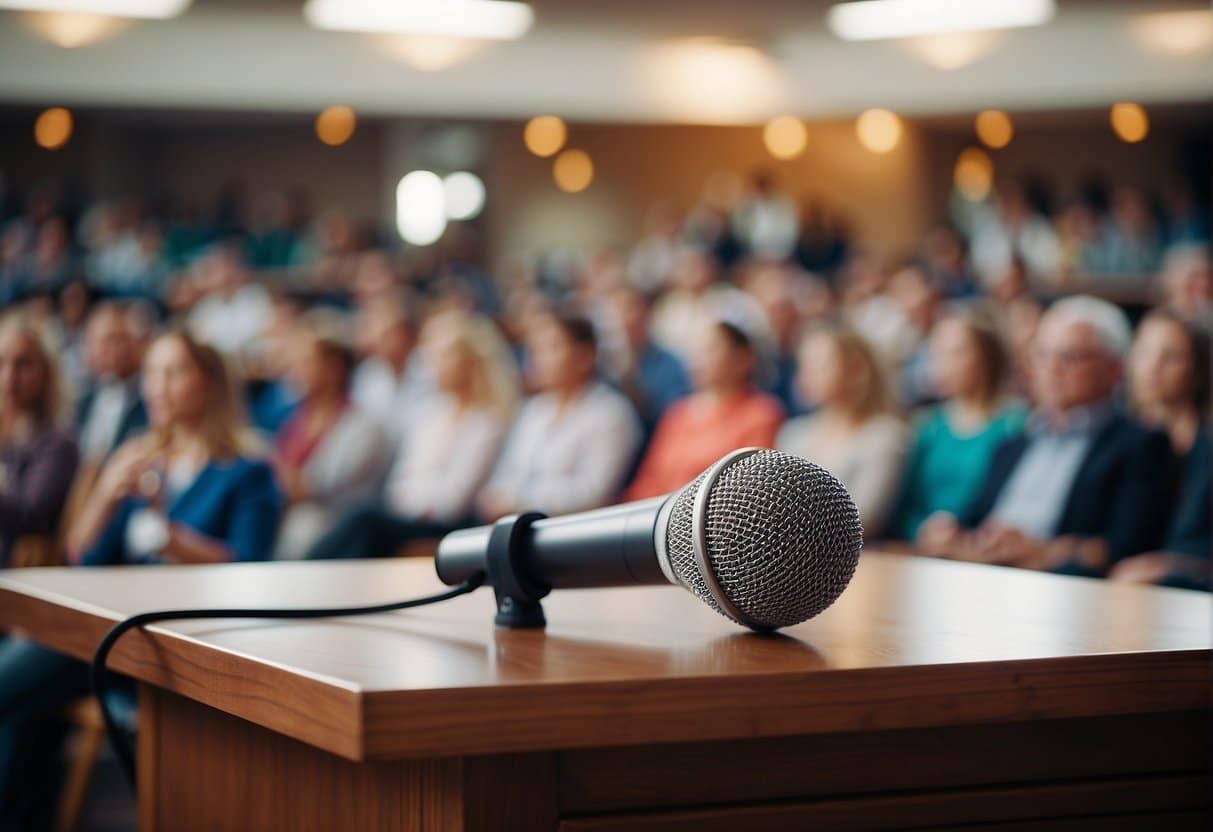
point(117, 8)
point(877, 19)
point(489, 19)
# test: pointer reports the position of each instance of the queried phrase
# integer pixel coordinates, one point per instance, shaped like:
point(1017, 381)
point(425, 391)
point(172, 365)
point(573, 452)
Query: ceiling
point(611, 60)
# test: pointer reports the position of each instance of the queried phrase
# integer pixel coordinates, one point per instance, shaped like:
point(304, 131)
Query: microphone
point(765, 538)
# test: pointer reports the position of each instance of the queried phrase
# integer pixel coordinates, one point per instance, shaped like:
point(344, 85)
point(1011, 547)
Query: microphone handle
point(605, 547)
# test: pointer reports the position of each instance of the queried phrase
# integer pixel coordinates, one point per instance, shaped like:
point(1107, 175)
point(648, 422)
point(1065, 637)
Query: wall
point(637, 166)
point(889, 199)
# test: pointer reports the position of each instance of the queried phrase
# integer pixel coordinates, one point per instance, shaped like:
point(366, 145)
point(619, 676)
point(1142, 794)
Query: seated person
point(111, 410)
point(724, 413)
point(954, 440)
point(1084, 486)
point(392, 377)
point(448, 450)
point(651, 376)
point(192, 490)
point(853, 431)
point(37, 458)
point(1168, 374)
point(574, 440)
point(329, 453)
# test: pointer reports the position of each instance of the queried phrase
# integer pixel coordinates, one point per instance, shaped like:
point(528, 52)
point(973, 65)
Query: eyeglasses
point(1067, 358)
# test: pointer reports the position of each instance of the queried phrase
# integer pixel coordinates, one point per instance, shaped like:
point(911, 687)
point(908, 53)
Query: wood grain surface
point(913, 643)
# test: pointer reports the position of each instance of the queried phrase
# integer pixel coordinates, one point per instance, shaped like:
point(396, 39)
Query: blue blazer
point(1122, 493)
point(236, 502)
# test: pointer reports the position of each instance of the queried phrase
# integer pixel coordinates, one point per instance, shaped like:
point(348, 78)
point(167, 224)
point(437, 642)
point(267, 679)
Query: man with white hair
point(1083, 486)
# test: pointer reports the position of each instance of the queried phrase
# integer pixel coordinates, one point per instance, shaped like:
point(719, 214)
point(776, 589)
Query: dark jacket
point(1121, 494)
point(133, 422)
point(34, 481)
point(1190, 530)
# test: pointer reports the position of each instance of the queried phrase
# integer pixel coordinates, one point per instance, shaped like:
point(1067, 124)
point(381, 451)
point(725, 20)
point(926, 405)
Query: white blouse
point(869, 464)
point(563, 460)
point(444, 459)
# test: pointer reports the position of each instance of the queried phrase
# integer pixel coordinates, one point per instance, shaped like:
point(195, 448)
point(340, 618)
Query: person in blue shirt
point(193, 489)
point(954, 440)
point(653, 378)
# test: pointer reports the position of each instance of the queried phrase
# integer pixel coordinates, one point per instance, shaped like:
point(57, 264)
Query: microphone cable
point(97, 668)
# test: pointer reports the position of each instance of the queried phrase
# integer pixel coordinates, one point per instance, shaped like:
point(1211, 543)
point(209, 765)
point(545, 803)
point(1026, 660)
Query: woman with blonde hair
point(37, 457)
point(853, 431)
point(196, 487)
point(448, 448)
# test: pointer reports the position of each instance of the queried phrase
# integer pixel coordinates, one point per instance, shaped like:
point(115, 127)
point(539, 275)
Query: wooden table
point(933, 694)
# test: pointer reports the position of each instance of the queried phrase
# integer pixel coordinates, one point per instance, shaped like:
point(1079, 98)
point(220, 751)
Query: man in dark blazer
point(1083, 486)
point(111, 409)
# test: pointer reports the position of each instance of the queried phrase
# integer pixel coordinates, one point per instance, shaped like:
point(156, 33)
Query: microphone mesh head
point(782, 537)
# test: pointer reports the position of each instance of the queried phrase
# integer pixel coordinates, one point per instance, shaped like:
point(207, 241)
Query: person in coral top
point(724, 413)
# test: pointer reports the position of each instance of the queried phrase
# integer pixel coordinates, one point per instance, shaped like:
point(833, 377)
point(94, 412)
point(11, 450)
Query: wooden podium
point(932, 694)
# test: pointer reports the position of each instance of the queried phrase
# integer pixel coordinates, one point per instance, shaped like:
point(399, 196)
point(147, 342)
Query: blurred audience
point(189, 491)
point(697, 297)
point(193, 489)
point(1187, 284)
point(652, 377)
point(227, 309)
point(852, 430)
point(386, 438)
point(725, 412)
point(447, 452)
point(1011, 228)
point(954, 440)
point(1083, 486)
point(110, 409)
point(37, 457)
point(1169, 379)
point(328, 454)
point(392, 378)
point(574, 440)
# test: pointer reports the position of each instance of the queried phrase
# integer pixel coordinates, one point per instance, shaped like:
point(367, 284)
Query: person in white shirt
point(696, 300)
point(391, 380)
point(1010, 229)
point(232, 311)
point(111, 410)
point(574, 441)
point(328, 453)
point(449, 448)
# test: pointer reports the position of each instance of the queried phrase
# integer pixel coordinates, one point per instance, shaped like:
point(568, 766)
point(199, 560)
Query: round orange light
point(53, 128)
point(994, 128)
point(879, 130)
point(1129, 122)
point(335, 125)
point(544, 135)
point(573, 171)
point(785, 137)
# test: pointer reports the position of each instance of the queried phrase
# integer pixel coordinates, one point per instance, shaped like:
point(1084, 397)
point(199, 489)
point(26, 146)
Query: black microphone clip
point(518, 593)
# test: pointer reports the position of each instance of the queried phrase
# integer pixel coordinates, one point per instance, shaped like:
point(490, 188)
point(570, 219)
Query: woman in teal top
point(953, 441)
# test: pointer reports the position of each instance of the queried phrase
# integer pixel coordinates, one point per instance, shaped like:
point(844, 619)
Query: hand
point(1149, 568)
point(940, 535)
point(492, 506)
point(291, 481)
point(120, 477)
point(1000, 544)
